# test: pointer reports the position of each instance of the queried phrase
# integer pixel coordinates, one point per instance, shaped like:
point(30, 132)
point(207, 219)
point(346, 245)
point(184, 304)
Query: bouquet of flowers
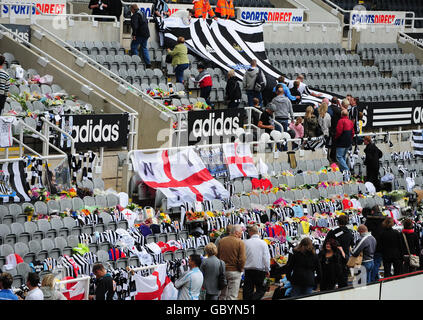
point(29, 211)
point(39, 194)
point(215, 233)
point(280, 260)
point(163, 217)
point(192, 216)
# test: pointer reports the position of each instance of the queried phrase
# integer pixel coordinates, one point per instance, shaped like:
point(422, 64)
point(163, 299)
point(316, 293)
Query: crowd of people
point(231, 263)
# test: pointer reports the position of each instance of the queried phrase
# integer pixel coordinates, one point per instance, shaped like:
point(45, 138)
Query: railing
point(407, 38)
point(132, 113)
point(46, 129)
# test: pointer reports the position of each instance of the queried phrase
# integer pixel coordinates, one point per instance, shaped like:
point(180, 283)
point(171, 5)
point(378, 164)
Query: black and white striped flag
point(231, 44)
point(418, 142)
point(13, 184)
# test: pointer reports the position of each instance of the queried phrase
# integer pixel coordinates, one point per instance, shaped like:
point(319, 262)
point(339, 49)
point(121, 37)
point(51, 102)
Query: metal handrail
point(78, 76)
point(50, 124)
point(410, 39)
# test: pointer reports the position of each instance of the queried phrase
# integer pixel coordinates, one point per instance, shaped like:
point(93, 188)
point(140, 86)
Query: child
point(297, 127)
point(205, 81)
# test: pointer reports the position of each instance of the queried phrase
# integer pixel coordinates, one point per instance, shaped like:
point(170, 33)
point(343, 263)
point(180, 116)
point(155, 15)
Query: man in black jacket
point(104, 284)
point(374, 220)
point(345, 239)
point(140, 33)
point(115, 8)
point(373, 154)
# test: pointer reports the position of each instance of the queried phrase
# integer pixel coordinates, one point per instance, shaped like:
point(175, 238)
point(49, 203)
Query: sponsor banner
point(274, 15)
point(364, 18)
point(392, 113)
point(214, 126)
point(105, 130)
point(48, 7)
point(23, 31)
point(146, 8)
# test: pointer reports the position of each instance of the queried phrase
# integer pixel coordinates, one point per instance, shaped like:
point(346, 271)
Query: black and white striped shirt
point(4, 83)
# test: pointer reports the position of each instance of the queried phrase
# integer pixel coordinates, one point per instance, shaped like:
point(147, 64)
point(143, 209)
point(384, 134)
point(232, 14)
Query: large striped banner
point(230, 44)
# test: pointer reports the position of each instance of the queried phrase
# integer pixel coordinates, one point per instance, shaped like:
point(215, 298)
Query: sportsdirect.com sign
point(274, 15)
point(47, 7)
point(360, 18)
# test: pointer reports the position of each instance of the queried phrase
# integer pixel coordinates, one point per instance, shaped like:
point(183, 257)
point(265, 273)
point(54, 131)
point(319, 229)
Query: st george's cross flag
point(239, 160)
point(74, 290)
point(182, 176)
point(156, 286)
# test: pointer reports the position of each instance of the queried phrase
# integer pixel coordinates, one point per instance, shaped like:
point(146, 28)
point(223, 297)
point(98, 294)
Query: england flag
point(156, 286)
point(182, 176)
point(240, 161)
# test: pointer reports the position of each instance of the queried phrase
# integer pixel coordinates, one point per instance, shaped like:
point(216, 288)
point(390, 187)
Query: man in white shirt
point(189, 285)
point(303, 88)
point(257, 265)
point(34, 292)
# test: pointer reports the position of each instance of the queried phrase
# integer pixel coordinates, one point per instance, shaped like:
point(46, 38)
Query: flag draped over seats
point(230, 44)
point(182, 177)
point(240, 161)
point(74, 290)
point(13, 184)
point(156, 286)
point(418, 142)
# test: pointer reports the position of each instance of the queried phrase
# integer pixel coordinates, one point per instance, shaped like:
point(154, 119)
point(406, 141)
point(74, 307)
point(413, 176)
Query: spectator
point(179, 59)
point(367, 245)
point(211, 267)
point(310, 123)
point(413, 244)
point(257, 265)
point(225, 9)
point(301, 268)
point(104, 284)
point(353, 112)
point(249, 82)
point(343, 139)
point(302, 87)
point(231, 250)
point(324, 119)
point(140, 33)
point(334, 123)
point(332, 261)
point(225, 234)
point(373, 154)
point(373, 223)
point(160, 11)
point(202, 8)
point(390, 244)
point(4, 84)
point(283, 109)
point(6, 292)
point(266, 120)
point(190, 283)
point(295, 92)
point(287, 92)
point(297, 127)
point(345, 238)
point(233, 90)
point(115, 8)
point(99, 8)
point(32, 283)
point(205, 81)
point(47, 287)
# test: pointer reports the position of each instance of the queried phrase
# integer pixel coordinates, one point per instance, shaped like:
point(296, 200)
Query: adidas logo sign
point(215, 126)
point(96, 133)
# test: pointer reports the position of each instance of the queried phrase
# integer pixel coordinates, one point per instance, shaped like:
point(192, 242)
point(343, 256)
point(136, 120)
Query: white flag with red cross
point(181, 176)
point(239, 160)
